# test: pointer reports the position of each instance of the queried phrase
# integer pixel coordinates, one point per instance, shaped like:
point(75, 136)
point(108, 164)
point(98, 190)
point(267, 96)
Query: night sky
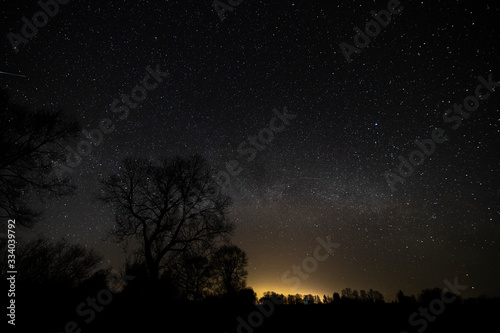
point(323, 175)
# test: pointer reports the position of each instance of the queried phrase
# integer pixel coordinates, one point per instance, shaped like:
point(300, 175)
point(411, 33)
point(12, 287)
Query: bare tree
point(166, 209)
point(30, 144)
point(41, 261)
point(229, 264)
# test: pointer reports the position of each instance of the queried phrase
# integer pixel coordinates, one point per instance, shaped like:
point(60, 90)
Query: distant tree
point(291, 299)
point(247, 295)
point(282, 298)
point(299, 299)
point(229, 263)
point(336, 298)
point(363, 295)
point(327, 299)
point(371, 295)
point(272, 296)
point(308, 299)
point(400, 296)
point(166, 209)
point(31, 142)
point(378, 297)
point(59, 263)
point(403, 299)
point(347, 293)
point(428, 295)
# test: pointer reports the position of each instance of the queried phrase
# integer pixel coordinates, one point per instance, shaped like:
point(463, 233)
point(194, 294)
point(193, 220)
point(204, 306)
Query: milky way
point(323, 175)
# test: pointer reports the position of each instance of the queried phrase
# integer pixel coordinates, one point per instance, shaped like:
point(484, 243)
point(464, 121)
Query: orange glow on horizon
point(260, 289)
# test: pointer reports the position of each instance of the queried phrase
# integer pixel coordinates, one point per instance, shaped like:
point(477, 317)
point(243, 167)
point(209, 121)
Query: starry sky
point(323, 175)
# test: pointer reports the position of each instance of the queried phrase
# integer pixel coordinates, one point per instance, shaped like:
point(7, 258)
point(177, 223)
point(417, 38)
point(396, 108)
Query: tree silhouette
point(229, 263)
point(166, 209)
point(60, 263)
point(194, 275)
point(428, 295)
point(403, 299)
point(136, 266)
point(363, 295)
point(30, 144)
point(352, 295)
point(247, 295)
point(275, 297)
point(347, 293)
point(377, 297)
point(308, 299)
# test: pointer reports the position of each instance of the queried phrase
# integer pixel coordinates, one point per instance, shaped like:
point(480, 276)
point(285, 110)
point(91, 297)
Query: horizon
point(357, 141)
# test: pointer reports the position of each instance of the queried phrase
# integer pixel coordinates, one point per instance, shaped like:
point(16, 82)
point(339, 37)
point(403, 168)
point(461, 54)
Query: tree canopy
point(31, 142)
point(165, 209)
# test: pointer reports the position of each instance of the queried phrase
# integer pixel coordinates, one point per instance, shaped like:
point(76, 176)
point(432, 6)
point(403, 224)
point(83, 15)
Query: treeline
point(44, 264)
point(370, 296)
point(347, 295)
point(170, 215)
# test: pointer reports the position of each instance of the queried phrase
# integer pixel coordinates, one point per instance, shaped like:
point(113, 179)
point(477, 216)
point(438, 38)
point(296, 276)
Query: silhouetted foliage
point(194, 275)
point(229, 263)
point(347, 294)
point(352, 295)
point(31, 142)
point(59, 263)
point(136, 266)
point(428, 295)
point(309, 299)
point(293, 299)
point(405, 300)
point(166, 209)
point(271, 295)
point(247, 295)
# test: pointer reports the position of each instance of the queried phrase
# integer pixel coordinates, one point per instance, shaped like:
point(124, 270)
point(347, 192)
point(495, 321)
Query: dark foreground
point(57, 310)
